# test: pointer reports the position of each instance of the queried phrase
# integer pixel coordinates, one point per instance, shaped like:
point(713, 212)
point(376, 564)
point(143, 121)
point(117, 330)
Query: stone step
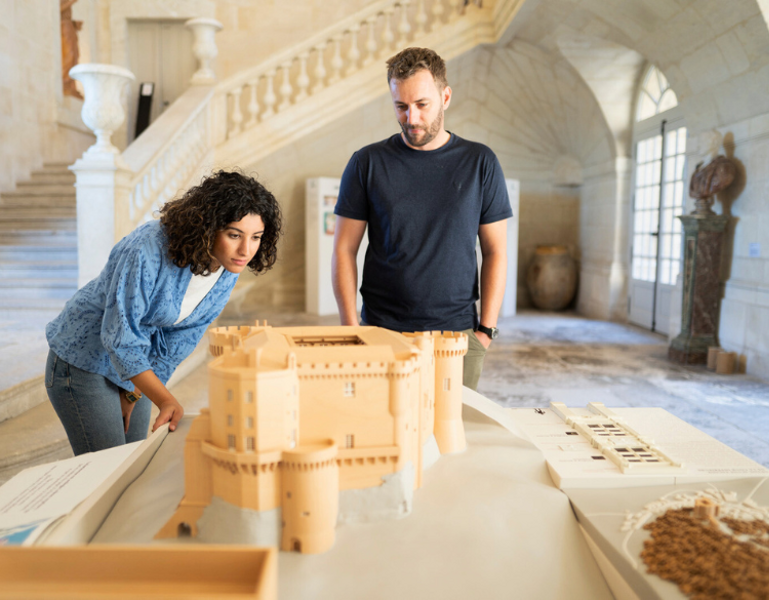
point(37, 288)
point(36, 212)
point(45, 238)
point(57, 166)
point(64, 177)
point(33, 271)
point(34, 437)
point(37, 201)
point(55, 304)
point(39, 188)
point(32, 254)
point(37, 223)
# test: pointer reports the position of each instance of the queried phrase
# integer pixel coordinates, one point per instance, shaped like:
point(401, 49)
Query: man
point(426, 195)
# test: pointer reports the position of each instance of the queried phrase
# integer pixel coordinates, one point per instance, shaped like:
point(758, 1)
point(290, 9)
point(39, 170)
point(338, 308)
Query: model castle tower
point(299, 414)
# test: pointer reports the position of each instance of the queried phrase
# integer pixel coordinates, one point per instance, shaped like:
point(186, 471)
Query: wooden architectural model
point(299, 414)
point(616, 440)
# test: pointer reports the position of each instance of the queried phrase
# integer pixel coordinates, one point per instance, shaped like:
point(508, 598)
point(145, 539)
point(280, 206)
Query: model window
point(349, 389)
point(230, 421)
point(229, 395)
point(349, 441)
point(250, 445)
point(231, 442)
point(250, 422)
point(446, 384)
point(249, 397)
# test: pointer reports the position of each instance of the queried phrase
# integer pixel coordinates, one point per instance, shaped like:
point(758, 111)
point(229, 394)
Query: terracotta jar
point(552, 278)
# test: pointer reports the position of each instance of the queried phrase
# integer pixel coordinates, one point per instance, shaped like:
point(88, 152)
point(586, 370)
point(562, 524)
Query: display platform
point(487, 523)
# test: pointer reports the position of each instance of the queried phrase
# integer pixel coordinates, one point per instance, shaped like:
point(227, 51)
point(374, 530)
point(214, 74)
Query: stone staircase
point(38, 240)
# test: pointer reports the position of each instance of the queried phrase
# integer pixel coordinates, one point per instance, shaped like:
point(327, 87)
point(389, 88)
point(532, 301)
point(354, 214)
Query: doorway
point(659, 197)
point(159, 52)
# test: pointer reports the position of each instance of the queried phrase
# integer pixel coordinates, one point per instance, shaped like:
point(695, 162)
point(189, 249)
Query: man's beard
point(430, 132)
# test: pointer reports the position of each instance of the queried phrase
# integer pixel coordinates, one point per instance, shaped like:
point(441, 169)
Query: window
point(230, 421)
point(446, 384)
point(250, 444)
point(349, 441)
point(250, 422)
point(231, 442)
point(229, 395)
point(249, 397)
point(656, 95)
point(349, 389)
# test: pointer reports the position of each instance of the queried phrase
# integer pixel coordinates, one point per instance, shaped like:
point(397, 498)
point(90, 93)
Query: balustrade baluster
point(353, 54)
point(253, 104)
point(388, 37)
point(454, 6)
point(320, 69)
point(303, 81)
point(336, 60)
point(420, 18)
point(285, 88)
point(269, 96)
point(437, 11)
point(237, 115)
point(404, 27)
point(370, 41)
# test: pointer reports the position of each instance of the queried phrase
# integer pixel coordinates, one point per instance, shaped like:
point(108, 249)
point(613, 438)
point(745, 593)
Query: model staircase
point(38, 240)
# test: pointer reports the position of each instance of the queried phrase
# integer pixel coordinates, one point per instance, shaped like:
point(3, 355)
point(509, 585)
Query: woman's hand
point(170, 412)
point(170, 409)
point(126, 406)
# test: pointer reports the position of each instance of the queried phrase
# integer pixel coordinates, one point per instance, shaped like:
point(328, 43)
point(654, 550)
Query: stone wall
point(36, 122)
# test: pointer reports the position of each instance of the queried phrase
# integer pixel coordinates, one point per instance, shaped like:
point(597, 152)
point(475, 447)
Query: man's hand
point(126, 407)
point(170, 412)
point(344, 267)
point(483, 339)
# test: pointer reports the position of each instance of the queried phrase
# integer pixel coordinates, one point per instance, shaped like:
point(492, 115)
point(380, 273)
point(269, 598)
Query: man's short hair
point(411, 60)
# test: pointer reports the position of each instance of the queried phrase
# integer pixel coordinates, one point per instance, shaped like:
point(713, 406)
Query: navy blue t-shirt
point(423, 210)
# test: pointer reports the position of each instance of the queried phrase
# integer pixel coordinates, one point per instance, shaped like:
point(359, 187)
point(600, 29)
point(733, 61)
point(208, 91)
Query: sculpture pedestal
point(703, 237)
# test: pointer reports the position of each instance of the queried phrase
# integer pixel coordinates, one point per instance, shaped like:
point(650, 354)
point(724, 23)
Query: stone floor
point(538, 358)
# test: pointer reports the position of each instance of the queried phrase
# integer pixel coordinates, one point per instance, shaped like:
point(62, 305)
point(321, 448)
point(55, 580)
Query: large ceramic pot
point(552, 278)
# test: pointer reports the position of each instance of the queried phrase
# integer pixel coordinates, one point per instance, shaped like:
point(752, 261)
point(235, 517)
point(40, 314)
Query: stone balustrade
point(293, 76)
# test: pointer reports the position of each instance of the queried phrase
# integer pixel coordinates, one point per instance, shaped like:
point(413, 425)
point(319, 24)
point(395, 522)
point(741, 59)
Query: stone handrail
point(167, 155)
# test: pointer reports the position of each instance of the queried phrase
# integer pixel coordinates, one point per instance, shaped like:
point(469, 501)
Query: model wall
point(36, 122)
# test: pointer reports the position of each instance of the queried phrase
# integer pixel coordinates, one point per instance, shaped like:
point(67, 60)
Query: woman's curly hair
point(192, 222)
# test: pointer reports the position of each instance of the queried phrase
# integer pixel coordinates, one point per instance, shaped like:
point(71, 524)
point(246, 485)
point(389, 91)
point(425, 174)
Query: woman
point(120, 337)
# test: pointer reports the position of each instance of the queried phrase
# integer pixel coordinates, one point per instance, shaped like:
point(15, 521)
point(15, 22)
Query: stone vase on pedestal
point(703, 239)
point(204, 48)
point(552, 278)
point(103, 177)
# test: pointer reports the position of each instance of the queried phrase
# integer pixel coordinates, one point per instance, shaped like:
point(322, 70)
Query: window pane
point(675, 270)
point(670, 168)
point(668, 101)
point(647, 108)
point(656, 168)
point(658, 147)
point(652, 85)
point(670, 143)
point(680, 162)
point(679, 197)
point(676, 247)
point(681, 140)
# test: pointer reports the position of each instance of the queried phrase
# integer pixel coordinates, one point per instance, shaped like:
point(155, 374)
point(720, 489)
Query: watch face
point(494, 333)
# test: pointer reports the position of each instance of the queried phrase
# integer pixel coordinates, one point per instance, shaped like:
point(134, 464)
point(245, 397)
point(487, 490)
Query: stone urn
point(103, 109)
point(552, 278)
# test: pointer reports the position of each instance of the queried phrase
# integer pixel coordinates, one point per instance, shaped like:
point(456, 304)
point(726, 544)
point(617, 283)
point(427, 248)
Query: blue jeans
point(88, 405)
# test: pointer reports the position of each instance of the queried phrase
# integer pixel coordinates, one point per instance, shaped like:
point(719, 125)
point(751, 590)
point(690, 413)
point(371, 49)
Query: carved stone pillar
point(703, 238)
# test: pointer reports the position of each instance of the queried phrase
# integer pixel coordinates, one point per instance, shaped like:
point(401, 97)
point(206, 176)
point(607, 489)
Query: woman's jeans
point(88, 406)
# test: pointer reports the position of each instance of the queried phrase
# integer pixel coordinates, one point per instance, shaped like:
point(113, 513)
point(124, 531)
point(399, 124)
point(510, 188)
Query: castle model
point(310, 425)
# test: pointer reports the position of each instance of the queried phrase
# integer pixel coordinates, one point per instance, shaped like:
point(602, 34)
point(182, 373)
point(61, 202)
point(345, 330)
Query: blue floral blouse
point(122, 323)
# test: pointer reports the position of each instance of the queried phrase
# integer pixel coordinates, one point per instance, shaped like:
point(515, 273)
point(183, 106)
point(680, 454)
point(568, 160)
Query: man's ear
point(446, 97)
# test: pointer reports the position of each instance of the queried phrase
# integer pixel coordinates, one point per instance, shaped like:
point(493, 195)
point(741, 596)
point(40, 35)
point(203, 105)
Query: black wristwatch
point(492, 332)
